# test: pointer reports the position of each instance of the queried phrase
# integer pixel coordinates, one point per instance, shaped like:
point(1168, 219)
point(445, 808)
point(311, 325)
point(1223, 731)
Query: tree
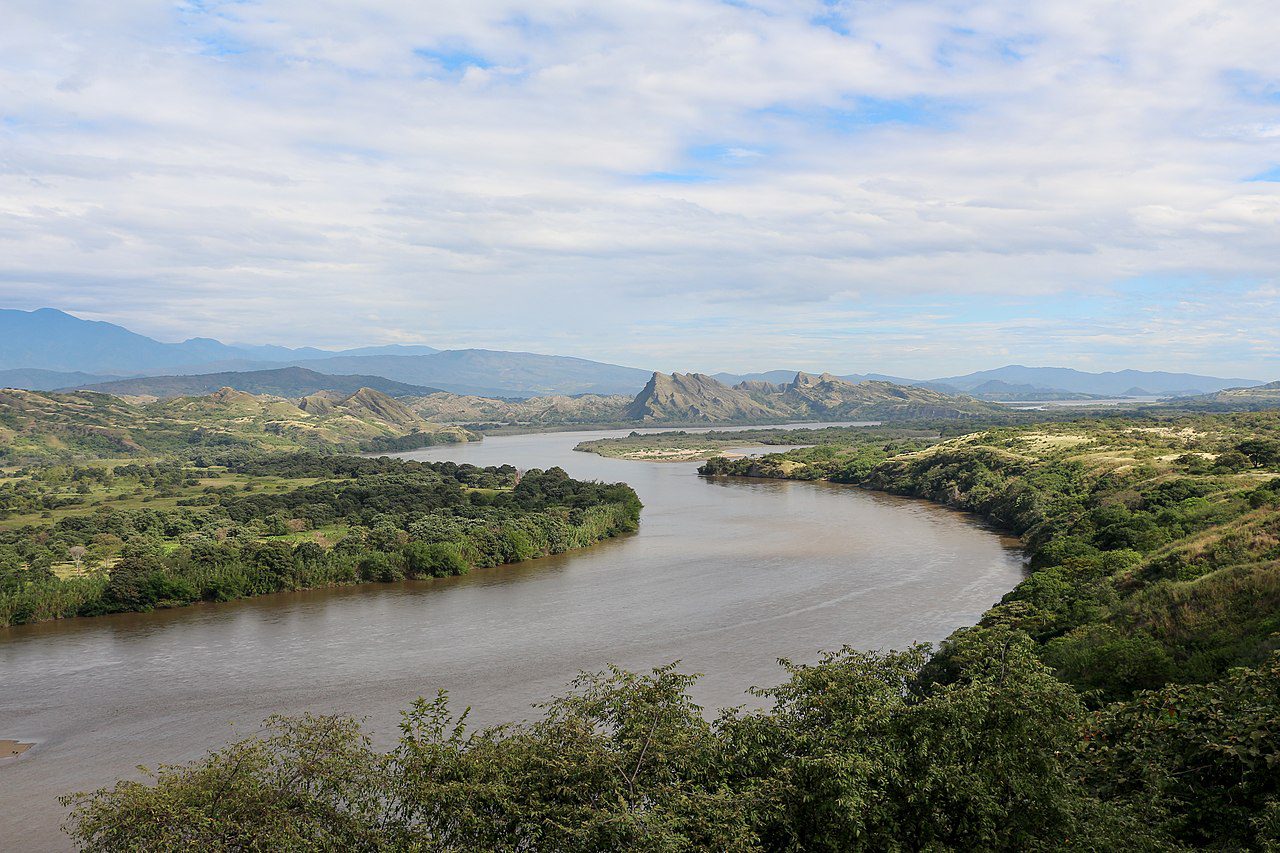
point(1262, 452)
point(77, 554)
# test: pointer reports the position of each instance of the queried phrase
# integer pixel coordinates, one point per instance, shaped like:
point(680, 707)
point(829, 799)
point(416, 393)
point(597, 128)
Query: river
point(725, 575)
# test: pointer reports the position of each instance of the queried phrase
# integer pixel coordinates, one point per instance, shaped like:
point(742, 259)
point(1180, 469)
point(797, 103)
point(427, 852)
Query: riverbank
point(1153, 544)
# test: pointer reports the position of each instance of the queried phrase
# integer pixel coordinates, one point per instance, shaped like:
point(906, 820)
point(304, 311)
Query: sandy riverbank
point(13, 748)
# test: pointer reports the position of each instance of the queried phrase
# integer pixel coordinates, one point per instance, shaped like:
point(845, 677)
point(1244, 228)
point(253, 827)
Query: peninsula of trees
point(92, 539)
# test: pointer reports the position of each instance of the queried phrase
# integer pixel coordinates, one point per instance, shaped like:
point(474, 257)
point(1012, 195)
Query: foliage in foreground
point(861, 751)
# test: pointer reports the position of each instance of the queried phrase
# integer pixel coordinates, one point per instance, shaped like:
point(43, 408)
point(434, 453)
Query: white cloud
point(475, 174)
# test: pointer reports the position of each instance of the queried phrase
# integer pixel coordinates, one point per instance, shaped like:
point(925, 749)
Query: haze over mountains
point(54, 340)
point(47, 349)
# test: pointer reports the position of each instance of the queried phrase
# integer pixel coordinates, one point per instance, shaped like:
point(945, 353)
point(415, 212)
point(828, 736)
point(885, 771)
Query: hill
point(1252, 399)
point(1112, 384)
point(443, 407)
point(280, 382)
point(43, 426)
point(692, 397)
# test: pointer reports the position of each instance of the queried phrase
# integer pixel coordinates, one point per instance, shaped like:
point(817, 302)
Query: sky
point(913, 188)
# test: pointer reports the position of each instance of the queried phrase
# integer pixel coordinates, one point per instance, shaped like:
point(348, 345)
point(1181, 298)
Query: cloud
point(543, 176)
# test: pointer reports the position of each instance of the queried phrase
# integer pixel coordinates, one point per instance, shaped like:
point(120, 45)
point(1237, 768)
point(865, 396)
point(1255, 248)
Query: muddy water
point(724, 575)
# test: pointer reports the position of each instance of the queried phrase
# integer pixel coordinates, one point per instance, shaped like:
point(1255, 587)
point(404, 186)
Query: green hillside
point(1154, 543)
point(45, 426)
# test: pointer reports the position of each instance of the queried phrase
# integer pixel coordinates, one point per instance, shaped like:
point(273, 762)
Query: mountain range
point(1120, 383)
point(54, 340)
point(279, 382)
point(49, 349)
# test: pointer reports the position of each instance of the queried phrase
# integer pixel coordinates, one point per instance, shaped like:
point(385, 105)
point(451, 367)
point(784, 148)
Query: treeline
point(365, 520)
point(847, 459)
point(981, 748)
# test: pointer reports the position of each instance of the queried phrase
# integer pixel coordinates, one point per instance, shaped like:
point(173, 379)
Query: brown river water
point(725, 575)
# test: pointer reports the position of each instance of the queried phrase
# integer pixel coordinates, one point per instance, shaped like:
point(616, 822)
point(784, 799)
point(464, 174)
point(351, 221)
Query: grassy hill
point(1250, 399)
point(43, 427)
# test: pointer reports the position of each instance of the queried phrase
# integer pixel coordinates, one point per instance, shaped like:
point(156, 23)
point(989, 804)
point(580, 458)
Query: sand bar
point(13, 748)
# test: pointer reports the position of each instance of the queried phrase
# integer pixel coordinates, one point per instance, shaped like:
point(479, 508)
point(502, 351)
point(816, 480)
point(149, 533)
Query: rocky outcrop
point(679, 397)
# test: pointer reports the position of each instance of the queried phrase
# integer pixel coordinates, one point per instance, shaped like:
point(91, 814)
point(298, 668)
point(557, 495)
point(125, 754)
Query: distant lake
point(725, 575)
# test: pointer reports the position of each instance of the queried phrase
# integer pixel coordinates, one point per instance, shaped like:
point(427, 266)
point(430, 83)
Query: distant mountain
point(492, 373)
point(693, 397)
point(52, 340)
point(49, 339)
point(280, 382)
point(275, 353)
point(1113, 384)
point(35, 379)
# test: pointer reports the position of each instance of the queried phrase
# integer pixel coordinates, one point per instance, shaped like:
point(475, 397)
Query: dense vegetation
point(679, 445)
point(163, 534)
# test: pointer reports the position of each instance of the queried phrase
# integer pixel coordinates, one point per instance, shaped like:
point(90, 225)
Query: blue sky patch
point(453, 59)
